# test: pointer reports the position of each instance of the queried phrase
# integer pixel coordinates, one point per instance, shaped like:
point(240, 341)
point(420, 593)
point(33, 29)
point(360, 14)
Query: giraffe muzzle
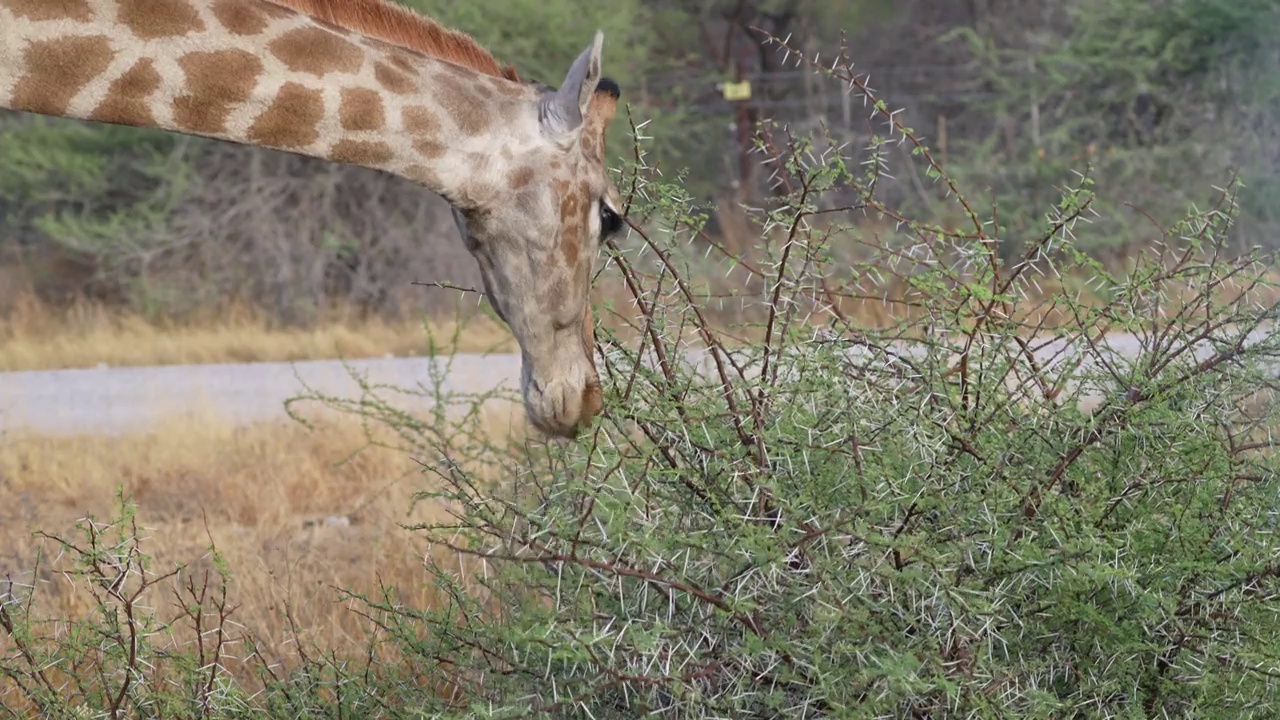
point(562, 408)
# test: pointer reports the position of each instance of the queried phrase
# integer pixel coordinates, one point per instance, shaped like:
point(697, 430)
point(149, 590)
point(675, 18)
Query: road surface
point(117, 400)
point(129, 399)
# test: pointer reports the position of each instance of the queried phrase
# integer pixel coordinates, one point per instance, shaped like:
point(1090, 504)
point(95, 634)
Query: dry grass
point(34, 336)
point(295, 515)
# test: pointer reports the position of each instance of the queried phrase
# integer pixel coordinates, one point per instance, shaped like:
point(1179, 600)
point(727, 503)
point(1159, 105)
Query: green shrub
point(120, 659)
point(968, 513)
point(949, 517)
point(90, 190)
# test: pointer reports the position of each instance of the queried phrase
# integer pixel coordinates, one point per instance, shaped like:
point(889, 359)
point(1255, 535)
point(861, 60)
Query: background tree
point(1014, 96)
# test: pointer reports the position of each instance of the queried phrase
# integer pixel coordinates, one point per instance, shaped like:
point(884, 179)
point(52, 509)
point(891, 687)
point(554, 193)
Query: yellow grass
point(294, 514)
point(36, 337)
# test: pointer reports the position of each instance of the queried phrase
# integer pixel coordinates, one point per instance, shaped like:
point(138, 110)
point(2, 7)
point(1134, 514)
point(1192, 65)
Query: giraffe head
point(536, 241)
point(371, 83)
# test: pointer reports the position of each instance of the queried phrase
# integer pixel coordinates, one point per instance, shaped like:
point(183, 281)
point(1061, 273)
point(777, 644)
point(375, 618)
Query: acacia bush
point(1012, 501)
point(999, 506)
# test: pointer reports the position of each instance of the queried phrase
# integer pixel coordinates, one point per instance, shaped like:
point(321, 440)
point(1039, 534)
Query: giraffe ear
point(562, 111)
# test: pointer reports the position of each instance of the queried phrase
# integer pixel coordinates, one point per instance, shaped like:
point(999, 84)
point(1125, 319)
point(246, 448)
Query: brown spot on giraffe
point(126, 100)
point(58, 69)
point(397, 81)
point(404, 61)
point(293, 119)
point(569, 245)
point(77, 10)
point(520, 177)
point(150, 19)
point(420, 120)
point(481, 90)
point(217, 82)
point(572, 202)
point(276, 11)
point(461, 105)
point(357, 152)
point(316, 51)
point(240, 17)
point(592, 146)
point(429, 149)
point(361, 109)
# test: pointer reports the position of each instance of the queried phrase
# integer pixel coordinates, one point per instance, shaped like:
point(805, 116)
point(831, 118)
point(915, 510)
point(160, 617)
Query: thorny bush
point(1013, 499)
point(123, 658)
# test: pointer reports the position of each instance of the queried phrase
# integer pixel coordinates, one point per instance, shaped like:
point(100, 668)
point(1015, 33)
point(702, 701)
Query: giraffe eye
point(610, 222)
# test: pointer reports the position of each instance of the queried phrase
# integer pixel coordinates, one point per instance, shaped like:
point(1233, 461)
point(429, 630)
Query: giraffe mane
point(399, 25)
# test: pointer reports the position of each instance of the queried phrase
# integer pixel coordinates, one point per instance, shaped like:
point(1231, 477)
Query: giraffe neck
point(257, 73)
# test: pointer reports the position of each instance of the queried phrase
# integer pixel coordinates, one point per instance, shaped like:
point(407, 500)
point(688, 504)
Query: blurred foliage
point(1155, 96)
point(70, 180)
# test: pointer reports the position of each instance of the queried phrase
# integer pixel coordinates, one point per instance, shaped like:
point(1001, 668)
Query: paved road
point(129, 399)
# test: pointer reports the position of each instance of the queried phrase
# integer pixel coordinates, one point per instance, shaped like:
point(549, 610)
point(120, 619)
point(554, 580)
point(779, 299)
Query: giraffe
point(374, 84)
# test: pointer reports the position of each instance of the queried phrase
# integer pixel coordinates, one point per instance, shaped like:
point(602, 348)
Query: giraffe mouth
point(562, 408)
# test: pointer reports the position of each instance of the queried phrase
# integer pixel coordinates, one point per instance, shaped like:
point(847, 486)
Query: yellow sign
point(737, 91)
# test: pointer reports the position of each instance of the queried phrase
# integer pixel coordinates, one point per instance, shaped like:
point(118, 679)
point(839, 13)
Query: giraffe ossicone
point(369, 83)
